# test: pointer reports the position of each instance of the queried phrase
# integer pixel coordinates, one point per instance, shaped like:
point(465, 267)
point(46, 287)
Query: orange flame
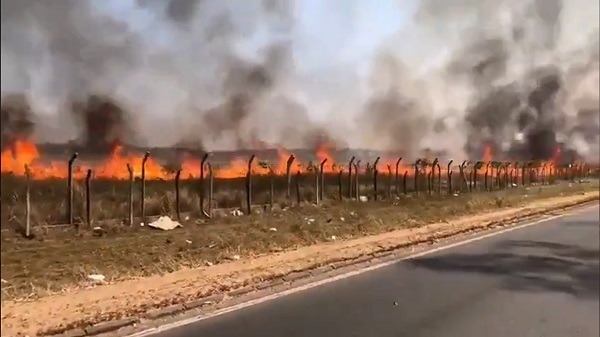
point(487, 154)
point(25, 154)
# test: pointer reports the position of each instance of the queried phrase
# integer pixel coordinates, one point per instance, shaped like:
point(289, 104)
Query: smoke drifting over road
point(519, 75)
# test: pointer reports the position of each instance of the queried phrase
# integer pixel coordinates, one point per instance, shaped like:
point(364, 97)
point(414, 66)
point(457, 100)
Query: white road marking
point(166, 327)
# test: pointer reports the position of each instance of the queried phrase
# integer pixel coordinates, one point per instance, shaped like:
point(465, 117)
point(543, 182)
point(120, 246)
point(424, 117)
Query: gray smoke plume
point(196, 85)
point(522, 74)
point(518, 75)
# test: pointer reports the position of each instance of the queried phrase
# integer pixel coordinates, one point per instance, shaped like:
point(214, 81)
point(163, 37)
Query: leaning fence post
point(322, 178)
point(530, 174)
point(211, 189)
point(476, 167)
point(350, 167)
point(131, 182)
point(143, 197)
point(449, 173)
point(315, 169)
point(288, 174)
point(271, 187)
point(463, 178)
point(201, 185)
point(70, 200)
point(433, 166)
point(471, 177)
point(439, 178)
point(356, 180)
point(429, 179)
point(298, 177)
point(88, 196)
point(506, 177)
point(396, 181)
point(389, 184)
point(340, 175)
point(498, 169)
point(177, 195)
point(485, 177)
point(544, 166)
point(417, 176)
point(375, 173)
point(27, 202)
point(249, 185)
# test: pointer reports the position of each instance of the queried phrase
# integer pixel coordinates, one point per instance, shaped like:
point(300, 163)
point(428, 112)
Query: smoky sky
point(520, 76)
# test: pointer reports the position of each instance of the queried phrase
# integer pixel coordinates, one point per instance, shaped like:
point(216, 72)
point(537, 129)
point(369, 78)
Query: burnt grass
point(59, 257)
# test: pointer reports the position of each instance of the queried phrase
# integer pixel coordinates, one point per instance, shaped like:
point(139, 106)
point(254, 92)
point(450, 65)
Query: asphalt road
point(537, 281)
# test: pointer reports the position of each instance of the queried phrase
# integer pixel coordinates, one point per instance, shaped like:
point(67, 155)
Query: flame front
point(24, 154)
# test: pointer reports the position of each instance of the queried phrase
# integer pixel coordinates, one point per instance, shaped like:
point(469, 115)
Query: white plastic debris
point(235, 257)
point(4, 281)
point(342, 219)
point(363, 198)
point(272, 229)
point(237, 212)
point(333, 238)
point(96, 278)
point(188, 241)
point(165, 223)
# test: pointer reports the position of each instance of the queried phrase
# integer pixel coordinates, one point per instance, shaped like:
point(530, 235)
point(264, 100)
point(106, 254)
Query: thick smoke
point(518, 75)
point(524, 74)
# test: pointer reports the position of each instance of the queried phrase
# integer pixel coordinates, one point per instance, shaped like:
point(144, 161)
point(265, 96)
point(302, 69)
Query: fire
point(487, 154)
point(24, 154)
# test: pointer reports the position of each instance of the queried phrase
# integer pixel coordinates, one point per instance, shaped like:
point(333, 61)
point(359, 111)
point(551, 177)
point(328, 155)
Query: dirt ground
point(160, 268)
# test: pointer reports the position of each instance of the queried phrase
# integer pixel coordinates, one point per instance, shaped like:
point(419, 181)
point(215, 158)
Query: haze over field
point(519, 74)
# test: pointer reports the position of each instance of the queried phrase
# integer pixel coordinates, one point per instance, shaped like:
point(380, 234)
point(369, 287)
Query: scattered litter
point(237, 212)
point(141, 224)
point(333, 238)
point(353, 213)
point(188, 241)
point(342, 219)
point(98, 231)
point(363, 198)
point(272, 229)
point(165, 223)
point(97, 278)
point(235, 257)
point(208, 263)
point(455, 194)
point(4, 281)
point(309, 220)
point(187, 218)
point(514, 185)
